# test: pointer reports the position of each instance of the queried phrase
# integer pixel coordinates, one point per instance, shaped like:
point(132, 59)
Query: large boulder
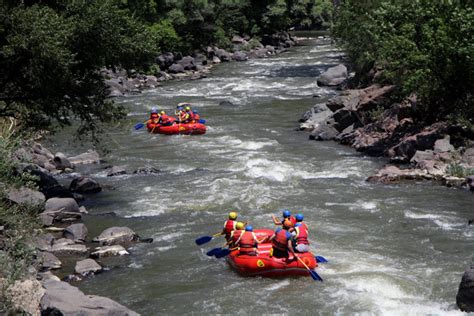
point(67, 246)
point(60, 210)
point(223, 55)
point(334, 76)
point(240, 56)
point(61, 162)
point(323, 132)
point(465, 296)
point(188, 63)
point(116, 235)
point(468, 156)
point(470, 182)
point(236, 39)
point(85, 185)
point(88, 157)
point(87, 266)
point(108, 251)
point(44, 242)
point(48, 261)
point(61, 298)
point(116, 171)
point(25, 296)
point(165, 60)
point(26, 196)
point(176, 68)
point(76, 232)
point(40, 150)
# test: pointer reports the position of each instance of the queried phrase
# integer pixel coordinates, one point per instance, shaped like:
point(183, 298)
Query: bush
point(165, 36)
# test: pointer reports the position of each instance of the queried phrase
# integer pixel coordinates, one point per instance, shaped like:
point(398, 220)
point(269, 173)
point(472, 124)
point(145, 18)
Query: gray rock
point(40, 150)
point(44, 242)
point(67, 246)
point(165, 60)
point(87, 266)
point(85, 185)
point(334, 76)
point(323, 132)
point(468, 157)
point(147, 170)
point(54, 205)
point(236, 39)
point(470, 182)
point(61, 162)
point(240, 56)
point(25, 296)
point(465, 296)
point(116, 171)
point(223, 55)
point(216, 60)
point(108, 251)
point(421, 155)
point(89, 157)
point(62, 298)
point(176, 68)
point(48, 261)
point(151, 82)
point(26, 196)
point(116, 235)
point(76, 232)
point(226, 103)
point(443, 145)
point(188, 63)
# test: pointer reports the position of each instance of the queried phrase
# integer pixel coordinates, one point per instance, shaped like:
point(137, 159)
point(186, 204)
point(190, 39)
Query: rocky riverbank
point(175, 66)
point(63, 236)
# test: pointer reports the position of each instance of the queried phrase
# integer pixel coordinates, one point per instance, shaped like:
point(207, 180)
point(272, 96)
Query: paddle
point(205, 239)
point(224, 252)
point(321, 259)
point(214, 251)
point(202, 121)
point(139, 125)
point(313, 273)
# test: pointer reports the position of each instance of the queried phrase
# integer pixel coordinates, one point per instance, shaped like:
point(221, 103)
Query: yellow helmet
point(232, 215)
point(162, 112)
point(239, 226)
point(187, 108)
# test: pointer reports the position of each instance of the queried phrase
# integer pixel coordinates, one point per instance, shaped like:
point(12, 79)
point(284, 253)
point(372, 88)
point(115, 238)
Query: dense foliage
point(51, 52)
point(424, 47)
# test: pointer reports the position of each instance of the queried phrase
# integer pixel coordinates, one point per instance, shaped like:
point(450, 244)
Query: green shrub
point(457, 170)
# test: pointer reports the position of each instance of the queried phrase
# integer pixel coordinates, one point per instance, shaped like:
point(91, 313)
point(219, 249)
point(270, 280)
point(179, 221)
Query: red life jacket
point(247, 242)
point(229, 226)
point(165, 119)
point(303, 224)
point(235, 235)
point(191, 115)
point(301, 235)
point(292, 219)
point(281, 240)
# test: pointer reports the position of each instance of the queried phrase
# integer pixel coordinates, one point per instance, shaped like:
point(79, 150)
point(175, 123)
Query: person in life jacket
point(235, 234)
point(281, 241)
point(154, 117)
point(229, 225)
point(248, 242)
point(165, 120)
point(299, 219)
point(190, 115)
point(301, 238)
point(286, 214)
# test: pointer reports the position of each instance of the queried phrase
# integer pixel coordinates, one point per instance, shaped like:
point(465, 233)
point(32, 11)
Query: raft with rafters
point(177, 129)
point(266, 266)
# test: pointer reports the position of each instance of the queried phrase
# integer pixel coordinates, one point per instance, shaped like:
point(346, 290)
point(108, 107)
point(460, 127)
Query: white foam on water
point(165, 248)
point(135, 265)
point(278, 285)
point(168, 236)
point(413, 215)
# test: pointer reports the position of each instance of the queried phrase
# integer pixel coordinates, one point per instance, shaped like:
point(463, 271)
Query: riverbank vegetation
point(423, 47)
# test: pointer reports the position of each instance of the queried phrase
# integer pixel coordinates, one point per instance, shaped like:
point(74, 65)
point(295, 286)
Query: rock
point(43, 179)
point(61, 204)
point(26, 196)
point(44, 242)
point(151, 81)
point(453, 182)
point(25, 296)
point(226, 103)
point(344, 118)
point(61, 162)
point(87, 266)
point(223, 55)
point(147, 170)
point(392, 174)
point(116, 235)
point(40, 150)
point(57, 191)
point(216, 60)
point(323, 132)
point(164, 76)
point(443, 145)
point(108, 251)
point(334, 76)
point(89, 157)
point(61, 298)
point(468, 157)
point(114, 93)
point(116, 171)
point(165, 60)
point(236, 39)
point(188, 63)
point(240, 56)
point(317, 116)
point(48, 261)
point(176, 68)
point(420, 156)
point(67, 246)
point(85, 185)
point(48, 275)
point(465, 296)
point(76, 232)
point(470, 182)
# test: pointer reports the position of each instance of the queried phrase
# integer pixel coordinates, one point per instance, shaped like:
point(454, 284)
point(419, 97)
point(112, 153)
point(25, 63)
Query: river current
point(392, 249)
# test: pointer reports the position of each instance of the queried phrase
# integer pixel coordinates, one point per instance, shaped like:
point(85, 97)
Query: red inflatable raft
point(266, 266)
point(175, 129)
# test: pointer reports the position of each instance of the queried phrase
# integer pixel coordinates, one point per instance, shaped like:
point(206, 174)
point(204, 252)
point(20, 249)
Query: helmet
point(286, 213)
point(298, 225)
point(239, 226)
point(232, 215)
point(287, 223)
point(299, 217)
point(162, 112)
point(187, 108)
point(179, 107)
point(248, 228)
point(154, 110)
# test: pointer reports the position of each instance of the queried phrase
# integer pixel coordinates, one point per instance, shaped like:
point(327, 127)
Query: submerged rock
point(67, 246)
point(88, 157)
point(87, 267)
point(465, 296)
point(147, 170)
point(334, 76)
point(85, 185)
point(108, 251)
point(116, 171)
point(116, 235)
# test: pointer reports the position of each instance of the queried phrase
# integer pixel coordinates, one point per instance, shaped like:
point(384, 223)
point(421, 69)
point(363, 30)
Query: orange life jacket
point(281, 239)
point(229, 226)
point(235, 235)
point(301, 235)
point(247, 242)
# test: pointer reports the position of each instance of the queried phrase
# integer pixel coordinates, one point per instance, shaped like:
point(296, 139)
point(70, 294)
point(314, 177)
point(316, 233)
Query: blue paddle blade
point(214, 251)
point(315, 276)
point(222, 253)
point(320, 259)
point(202, 121)
point(139, 125)
point(202, 240)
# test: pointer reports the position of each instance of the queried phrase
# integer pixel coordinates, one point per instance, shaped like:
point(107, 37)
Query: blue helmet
point(298, 225)
point(248, 228)
point(286, 213)
point(299, 217)
point(154, 110)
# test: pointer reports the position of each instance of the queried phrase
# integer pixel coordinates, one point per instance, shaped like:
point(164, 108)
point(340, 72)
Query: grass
point(457, 170)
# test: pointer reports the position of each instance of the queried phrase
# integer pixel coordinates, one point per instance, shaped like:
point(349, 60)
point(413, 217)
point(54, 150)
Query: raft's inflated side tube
point(183, 129)
point(266, 266)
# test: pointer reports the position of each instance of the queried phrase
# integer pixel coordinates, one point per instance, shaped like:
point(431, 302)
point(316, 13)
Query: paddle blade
point(214, 251)
point(222, 253)
point(139, 125)
point(202, 240)
point(315, 276)
point(320, 259)
point(202, 121)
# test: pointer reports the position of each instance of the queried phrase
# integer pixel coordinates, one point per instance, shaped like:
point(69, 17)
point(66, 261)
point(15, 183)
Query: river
point(392, 249)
